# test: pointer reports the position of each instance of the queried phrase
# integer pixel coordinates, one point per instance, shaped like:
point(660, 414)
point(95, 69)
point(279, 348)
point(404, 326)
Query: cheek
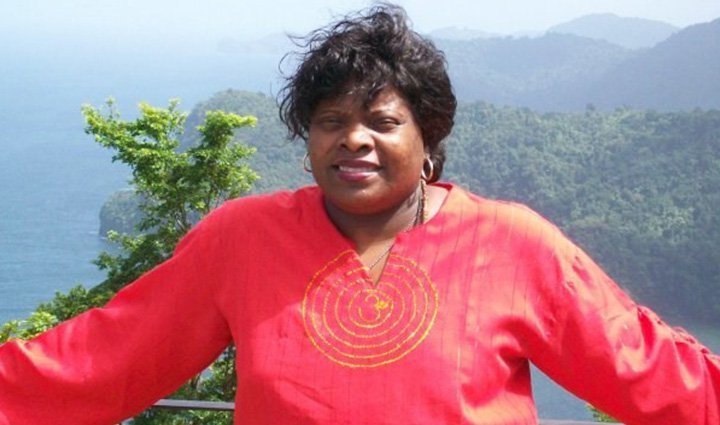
point(416, 154)
point(412, 161)
point(315, 147)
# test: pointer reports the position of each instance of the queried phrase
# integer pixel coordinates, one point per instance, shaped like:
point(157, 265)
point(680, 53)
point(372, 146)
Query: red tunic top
point(445, 336)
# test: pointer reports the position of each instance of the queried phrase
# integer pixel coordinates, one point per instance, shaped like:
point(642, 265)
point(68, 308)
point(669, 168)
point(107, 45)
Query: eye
point(329, 122)
point(386, 124)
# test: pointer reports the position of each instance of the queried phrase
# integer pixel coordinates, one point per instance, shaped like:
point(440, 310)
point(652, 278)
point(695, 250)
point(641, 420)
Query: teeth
point(347, 169)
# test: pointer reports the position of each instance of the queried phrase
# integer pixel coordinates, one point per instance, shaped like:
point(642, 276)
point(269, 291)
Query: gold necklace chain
point(419, 218)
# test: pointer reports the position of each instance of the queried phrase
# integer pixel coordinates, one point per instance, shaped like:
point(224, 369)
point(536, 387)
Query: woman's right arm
point(111, 363)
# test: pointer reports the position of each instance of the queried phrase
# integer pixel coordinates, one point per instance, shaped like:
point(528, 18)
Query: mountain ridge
point(564, 72)
point(628, 32)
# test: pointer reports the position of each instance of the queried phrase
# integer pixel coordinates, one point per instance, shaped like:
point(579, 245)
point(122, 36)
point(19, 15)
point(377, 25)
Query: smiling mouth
point(349, 169)
point(356, 173)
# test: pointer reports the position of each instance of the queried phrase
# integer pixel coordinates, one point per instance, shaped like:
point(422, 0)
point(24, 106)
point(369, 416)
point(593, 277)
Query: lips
point(355, 170)
point(346, 169)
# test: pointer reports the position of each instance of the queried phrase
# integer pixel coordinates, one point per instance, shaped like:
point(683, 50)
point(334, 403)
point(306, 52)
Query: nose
point(357, 138)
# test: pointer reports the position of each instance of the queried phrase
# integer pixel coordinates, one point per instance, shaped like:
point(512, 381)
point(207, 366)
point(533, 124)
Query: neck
point(368, 229)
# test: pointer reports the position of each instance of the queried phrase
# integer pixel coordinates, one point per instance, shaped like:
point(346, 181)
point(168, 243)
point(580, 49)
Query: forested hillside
point(639, 190)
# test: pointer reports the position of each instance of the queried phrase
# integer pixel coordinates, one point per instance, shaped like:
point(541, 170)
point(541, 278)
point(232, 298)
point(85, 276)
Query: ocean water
point(50, 193)
point(54, 178)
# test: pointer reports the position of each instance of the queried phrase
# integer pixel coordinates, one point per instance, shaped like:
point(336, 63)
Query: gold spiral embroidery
point(356, 323)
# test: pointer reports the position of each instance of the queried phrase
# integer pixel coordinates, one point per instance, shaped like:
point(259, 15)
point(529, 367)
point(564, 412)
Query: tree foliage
point(174, 189)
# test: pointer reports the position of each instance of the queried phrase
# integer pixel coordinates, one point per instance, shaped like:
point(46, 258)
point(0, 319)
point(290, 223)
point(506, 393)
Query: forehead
point(388, 98)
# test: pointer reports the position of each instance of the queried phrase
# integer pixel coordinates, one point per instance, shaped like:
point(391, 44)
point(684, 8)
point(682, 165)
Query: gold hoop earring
point(306, 163)
point(426, 176)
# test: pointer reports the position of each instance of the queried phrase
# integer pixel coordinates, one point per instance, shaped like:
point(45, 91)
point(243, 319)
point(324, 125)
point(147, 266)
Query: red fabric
point(444, 338)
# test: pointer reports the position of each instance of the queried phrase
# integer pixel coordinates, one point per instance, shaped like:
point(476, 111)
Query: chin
point(356, 203)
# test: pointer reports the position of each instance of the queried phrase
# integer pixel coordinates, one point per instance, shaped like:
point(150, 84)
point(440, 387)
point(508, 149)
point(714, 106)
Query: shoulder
point(507, 223)
point(269, 206)
point(250, 213)
point(506, 214)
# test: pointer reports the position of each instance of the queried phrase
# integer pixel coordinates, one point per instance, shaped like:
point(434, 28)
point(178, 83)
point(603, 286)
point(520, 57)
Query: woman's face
point(367, 158)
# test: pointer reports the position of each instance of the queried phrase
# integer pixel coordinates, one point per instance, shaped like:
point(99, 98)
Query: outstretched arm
point(618, 355)
point(111, 363)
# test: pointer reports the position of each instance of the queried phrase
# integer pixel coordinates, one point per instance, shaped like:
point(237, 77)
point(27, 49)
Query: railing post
point(222, 406)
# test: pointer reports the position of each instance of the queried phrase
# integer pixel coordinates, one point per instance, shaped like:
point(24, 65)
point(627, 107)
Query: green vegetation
point(277, 160)
point(175, 188)
point(637, 189)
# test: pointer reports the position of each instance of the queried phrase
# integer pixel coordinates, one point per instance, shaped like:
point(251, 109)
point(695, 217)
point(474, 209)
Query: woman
point(378, 296)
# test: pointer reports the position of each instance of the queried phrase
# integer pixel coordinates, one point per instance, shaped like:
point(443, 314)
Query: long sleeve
point(111, 363)
point(618, 355)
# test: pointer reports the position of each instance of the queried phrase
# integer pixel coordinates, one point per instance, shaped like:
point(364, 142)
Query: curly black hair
point(368, 52)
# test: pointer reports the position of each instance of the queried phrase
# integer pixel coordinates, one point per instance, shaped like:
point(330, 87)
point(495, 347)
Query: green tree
point(175, 189)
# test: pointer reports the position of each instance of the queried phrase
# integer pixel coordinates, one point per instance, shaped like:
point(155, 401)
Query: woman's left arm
point(617, 355)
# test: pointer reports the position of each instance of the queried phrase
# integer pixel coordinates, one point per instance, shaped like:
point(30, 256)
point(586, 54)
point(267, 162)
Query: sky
point(216, 19)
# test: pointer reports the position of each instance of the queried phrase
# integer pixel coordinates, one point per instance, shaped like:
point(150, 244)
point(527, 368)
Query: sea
point(54, 178)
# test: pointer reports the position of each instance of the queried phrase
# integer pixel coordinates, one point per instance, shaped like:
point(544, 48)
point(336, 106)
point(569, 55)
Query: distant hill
point(682, 72)
point(528, 71)
point(566, 72)
point(632, 33)
point(638, 189)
